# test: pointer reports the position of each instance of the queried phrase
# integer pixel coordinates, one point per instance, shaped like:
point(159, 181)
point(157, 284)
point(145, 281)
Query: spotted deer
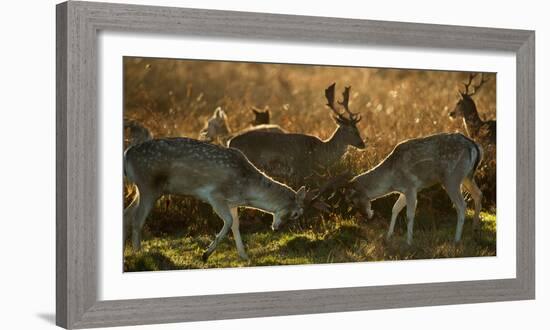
point(300, 155)
point(220, 176)
point(482, 131)
point(217, 129)
point(447, 159)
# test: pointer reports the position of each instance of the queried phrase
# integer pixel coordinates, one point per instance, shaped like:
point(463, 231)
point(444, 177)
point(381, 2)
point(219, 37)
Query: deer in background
point(447, 159)
point(220, 176)
point(484, 132)
point(261, 117)
point(135, 133)
point(217, 129)
point(300, 155)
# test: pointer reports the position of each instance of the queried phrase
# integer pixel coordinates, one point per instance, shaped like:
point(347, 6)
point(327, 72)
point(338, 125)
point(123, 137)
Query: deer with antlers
point(217, 129)
point(482, 131)
point(300, 155)
point(447, 159)
point(220, 176)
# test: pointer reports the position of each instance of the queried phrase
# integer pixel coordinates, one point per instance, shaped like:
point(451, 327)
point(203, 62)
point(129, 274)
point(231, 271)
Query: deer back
point(295, 152)
point(183, 166)
point(422, 162)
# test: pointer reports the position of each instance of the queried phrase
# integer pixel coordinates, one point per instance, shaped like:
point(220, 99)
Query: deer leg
point(146, 203)
point(222, 210)
point(237, 233)
point(129, 214)
point(397, 207)
point(411, 209)
point(460, 205)
point(477, 196)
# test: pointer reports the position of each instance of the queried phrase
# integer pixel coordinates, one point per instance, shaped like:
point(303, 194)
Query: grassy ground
point(175, 98)
point(344, 240)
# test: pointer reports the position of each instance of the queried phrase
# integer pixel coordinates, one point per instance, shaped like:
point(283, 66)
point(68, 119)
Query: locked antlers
point(313, 197)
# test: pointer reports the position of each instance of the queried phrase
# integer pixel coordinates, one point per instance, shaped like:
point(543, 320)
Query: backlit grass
point(346, 240)
point(175, 98)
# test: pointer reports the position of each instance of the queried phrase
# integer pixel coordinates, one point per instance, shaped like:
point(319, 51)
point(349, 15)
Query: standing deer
point(447, 159)
point(134, 133)
point(217, 129)
point(220, 176)
point(300, 155)
point(484, 132)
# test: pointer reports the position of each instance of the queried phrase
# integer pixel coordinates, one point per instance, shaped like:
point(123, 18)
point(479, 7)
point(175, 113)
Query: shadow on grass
point(339, 241)
point(147, 261)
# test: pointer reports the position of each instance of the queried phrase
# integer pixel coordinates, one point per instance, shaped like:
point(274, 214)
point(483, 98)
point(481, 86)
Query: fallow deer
point(300, 155)
point(220, 176)
point(447, 159)
point(217, 129)
point(485, 132)
point(261, 117)
point(135, 133)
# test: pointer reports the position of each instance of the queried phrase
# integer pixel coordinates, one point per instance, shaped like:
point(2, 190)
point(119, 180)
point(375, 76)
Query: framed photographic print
point(217, 165)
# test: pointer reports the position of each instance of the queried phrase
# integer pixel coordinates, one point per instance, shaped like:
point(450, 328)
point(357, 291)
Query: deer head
point(135, 133)
point(355, 196)
point(314, 197)
point(261, 117)
point(347, 125)
point(465, 104)
point(216, 127)
point(310, 199)
point(292, 211)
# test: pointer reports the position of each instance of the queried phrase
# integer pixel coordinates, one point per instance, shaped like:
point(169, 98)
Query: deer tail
point(477, 157)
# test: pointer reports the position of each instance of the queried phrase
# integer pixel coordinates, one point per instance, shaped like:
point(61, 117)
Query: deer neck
point(472, 121)
point(334, 147)
point(269, 195)
point(376, 182)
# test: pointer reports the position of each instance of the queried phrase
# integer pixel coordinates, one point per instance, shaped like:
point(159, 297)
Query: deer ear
point(220, 113)
point(255, 111)
point(301, 194)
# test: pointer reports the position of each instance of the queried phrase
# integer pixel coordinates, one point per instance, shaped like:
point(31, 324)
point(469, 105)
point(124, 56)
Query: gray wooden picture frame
point(78, 24)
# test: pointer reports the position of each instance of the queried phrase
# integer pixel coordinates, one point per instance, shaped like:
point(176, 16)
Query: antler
point(467, 85)
point(352, 116)
point(471, 78)
point(334, 183)
point(481, 82)
point(329, 95)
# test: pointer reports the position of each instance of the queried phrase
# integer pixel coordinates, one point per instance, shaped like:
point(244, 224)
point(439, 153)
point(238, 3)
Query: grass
point(344, 240)
point(175, 98)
